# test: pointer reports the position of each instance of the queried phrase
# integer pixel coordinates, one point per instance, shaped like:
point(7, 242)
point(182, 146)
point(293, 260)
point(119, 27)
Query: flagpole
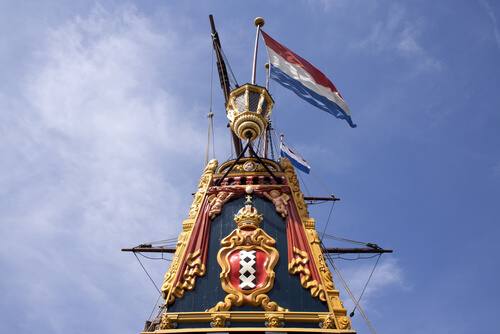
point(259, 22)
point(267, 66)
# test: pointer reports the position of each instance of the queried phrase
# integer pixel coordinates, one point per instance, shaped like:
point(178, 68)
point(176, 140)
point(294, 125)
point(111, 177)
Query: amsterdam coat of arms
point(247, 259)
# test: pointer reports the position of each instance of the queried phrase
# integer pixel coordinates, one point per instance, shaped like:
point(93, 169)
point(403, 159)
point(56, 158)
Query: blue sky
point(103, 136)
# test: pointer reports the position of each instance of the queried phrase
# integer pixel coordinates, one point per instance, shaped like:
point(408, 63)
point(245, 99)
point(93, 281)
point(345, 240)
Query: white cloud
point(401, 35)
point(387, 276)
point(493, 19)
point(96, 154)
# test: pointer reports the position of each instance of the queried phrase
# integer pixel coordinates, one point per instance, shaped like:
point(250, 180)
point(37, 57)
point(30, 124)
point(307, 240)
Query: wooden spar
point(326, 250)
point(224, 79)
point(312, 198)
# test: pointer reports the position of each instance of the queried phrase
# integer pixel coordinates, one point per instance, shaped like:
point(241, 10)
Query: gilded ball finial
point(259, 22)
point(266, 65)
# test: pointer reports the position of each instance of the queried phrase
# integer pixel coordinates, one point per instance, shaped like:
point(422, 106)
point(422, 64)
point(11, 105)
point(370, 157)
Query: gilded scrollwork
point(205, 181)
point(326, 275)
point(298, 266)
point(294, 185)
point(194, 268)
point(248, 238)
point(344, 322)
point(174, 266)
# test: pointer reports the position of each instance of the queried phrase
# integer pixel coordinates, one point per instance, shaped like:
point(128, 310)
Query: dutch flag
point(297, 161)
point(305, 80)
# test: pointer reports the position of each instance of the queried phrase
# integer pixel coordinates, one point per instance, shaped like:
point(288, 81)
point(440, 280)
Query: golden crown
point(248, 217)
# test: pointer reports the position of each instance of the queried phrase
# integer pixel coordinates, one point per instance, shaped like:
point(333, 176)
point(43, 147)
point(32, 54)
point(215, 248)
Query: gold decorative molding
point(293, 182)
point(169, 292)
point(243, 165)
point(203, 185)
point(344, 322)
point(179, 253)
point(334, 303)
point(168, 321)
point(289, 318)
point(187, 225)
point(326, 275)
point(309, 223)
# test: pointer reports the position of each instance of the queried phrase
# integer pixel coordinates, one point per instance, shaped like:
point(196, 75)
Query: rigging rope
point(231, 76)
point(154, 258)
point(362, 292)
point(210, 114)
point(328, 220)
point(344, 283)
point(154, 307)
point(343, 239)
point(147, 273)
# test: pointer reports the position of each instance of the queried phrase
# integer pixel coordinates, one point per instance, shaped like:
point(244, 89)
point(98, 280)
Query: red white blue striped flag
point(297, 161)
point(305, 80)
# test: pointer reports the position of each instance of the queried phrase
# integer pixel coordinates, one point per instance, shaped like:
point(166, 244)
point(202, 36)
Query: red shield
point(235, 263)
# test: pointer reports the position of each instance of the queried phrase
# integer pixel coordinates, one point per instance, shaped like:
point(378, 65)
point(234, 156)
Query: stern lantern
point(248, 110)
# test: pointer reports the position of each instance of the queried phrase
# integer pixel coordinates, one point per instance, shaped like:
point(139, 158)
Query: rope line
point(154, 307)
point(362, 292)
point(147, 273)
point(344, 283)
point(210, 113)
point(328, 220)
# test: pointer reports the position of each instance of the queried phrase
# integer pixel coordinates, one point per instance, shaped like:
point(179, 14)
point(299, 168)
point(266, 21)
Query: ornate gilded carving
point(329, 322)
point(169, 291)
point(298, 266)
point(194, 267)
point(167, 321)
point(326, 275)
point(174, 266)
point(250, 240)
point(219, 320)
point(344, 322)
point(274, 320)
point(249, 165)
point(280, 201)
point(294, 185)
point(217, 201)
point(205, 180)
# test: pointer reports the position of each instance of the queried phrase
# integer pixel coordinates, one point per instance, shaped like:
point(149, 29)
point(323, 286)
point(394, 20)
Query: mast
point(224, 79)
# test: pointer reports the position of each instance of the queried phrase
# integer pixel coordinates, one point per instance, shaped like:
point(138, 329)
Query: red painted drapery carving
point(300, 257)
